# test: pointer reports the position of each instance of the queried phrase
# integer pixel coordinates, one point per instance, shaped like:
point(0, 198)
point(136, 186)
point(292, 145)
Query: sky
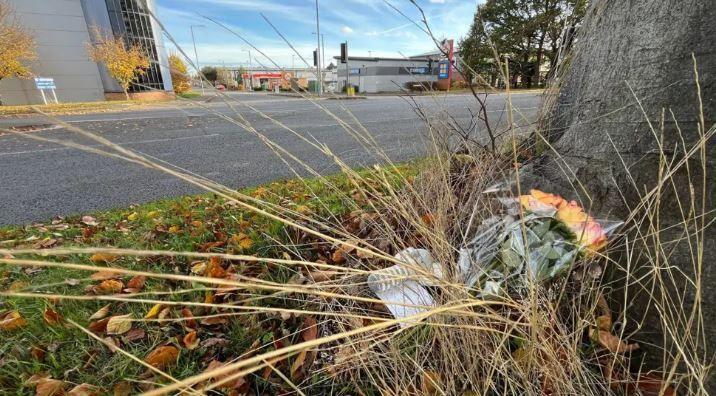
point(371, 28)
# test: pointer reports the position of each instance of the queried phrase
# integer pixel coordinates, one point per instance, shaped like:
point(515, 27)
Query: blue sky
point(367, 25)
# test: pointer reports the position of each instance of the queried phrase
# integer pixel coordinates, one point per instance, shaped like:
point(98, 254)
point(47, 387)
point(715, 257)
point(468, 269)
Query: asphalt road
point(41, 180)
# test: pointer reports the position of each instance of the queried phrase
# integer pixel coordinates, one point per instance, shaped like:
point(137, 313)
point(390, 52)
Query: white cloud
point(346, 30)
point(437, 1)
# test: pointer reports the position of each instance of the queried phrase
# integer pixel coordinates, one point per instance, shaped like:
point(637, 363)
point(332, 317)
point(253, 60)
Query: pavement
point(42, 180)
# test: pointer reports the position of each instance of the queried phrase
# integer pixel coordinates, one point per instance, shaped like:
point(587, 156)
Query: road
point(41, 180)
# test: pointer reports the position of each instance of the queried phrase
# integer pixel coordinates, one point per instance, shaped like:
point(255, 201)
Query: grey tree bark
point(644, 46)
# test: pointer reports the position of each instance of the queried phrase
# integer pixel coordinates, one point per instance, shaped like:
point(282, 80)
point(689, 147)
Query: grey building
point(373, 75)
point(61, 30)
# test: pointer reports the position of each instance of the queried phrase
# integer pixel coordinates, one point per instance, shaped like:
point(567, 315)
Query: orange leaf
point(51, 317)
point(653, 385)
point(613, 343)
point(214, 269)
point(50, 387)
point(338, 256)
point(11, 321)
point(104, 275)
point(163, 356)
point(189, 321)
point(310, 329)
point(191, 340)
point(99, 326)
point(137, 282)
point(98, 258)
point(604, 322)
point(84, 390)
point(298, 364)
point(110, 286)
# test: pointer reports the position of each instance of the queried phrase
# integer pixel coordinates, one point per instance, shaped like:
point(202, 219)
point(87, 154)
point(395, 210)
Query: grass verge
point(75, 108)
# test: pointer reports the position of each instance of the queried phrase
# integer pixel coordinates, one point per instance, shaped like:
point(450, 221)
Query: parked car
point(221, 87)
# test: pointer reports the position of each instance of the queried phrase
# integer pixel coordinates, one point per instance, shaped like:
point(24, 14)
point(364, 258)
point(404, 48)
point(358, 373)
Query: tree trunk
point(645, 46)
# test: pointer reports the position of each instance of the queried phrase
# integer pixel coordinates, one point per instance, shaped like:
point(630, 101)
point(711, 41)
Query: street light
point(196, 56)
point(251, 76)
point(318, 39)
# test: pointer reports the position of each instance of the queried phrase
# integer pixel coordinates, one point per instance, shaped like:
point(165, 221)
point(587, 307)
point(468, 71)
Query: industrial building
point(374, 75)
point(61, 30)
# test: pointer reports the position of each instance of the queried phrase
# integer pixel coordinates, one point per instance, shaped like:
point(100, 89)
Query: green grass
point(76, 108)
point(182, 224)
point(189, 95)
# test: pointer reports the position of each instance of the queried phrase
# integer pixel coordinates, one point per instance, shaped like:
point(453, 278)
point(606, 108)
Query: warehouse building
point(61, 30)
point(374, 75)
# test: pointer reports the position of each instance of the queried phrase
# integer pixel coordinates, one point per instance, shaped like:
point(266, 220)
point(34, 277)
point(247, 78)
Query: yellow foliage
point(17, 46)
point(124, 63)
point(179, 72)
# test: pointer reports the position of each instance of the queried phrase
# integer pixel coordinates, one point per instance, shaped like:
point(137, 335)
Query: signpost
point(444, 70)
point(46, 83)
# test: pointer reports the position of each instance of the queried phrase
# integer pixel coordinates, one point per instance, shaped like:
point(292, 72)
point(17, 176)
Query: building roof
point(376, 59)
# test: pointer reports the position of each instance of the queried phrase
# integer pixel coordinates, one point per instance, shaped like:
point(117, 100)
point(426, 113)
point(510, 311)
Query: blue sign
point(443, 70)
point(354, 72)
point(418, 70)
point(45, 83)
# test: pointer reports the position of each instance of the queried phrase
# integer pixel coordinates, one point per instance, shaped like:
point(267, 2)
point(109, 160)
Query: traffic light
point(344, 52)
point(315, 58)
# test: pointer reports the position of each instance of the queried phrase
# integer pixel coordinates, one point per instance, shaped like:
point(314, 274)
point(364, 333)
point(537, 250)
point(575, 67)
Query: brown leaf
point(214, 269)
point(240, 385)
point(213, 341)
point(163, 356)
point(11, 321)
point(298, 365)
point(310, 329)
point(84, 390)
point(89, 220)
point(134, 335)
point(214, 320)
point(102, 258)
point(338, 256)
point(51, 317)
point(191, 340)
point(613, 343)
point(38, 353)
point(430, 382)
point(322, 276)
point(112, 344)
point(122, 388)
point(604, 322)
point(109, 286)
point(189, 321)
point(50, 387)
point(119, 324)
point(653, 385)
point(137, 282)
point(104, 275)
point(99, 326)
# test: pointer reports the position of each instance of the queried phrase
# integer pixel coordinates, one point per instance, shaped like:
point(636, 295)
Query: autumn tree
point(125, 63)
point(17, 46)
point(180, 74)
point(526, 31)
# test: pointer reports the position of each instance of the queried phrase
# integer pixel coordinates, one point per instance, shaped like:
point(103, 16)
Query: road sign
point(355, 71)
point(444, 69)
point(45, 83)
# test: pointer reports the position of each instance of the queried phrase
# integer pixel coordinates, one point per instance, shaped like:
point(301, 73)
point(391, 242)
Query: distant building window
point(131, 20)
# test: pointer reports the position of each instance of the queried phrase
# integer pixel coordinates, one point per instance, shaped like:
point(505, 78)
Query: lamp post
point(318, 42)
point(196, 56)
point(251, 76)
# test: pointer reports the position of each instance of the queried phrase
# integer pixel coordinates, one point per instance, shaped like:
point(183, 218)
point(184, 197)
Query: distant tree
point(180, 74)
point(526, 31)
point(209, 73)
point(225, 77)
point(124, 63)
point(17, 46)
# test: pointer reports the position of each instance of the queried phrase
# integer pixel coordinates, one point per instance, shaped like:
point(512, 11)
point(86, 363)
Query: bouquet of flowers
point(537, 239)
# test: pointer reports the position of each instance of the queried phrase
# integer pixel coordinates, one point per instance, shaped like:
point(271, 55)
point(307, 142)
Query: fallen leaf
point(137, 282)
point(174, 229)
point(119, 324)
point(163, 356)
point(298, 365)
point(198, 267)
point(239, 384)
point(36, 378)
point(109, 286)
point(196, 223)
point(189, 321)
point(133, 216)
point(104, 258)
point(99, 326)
point(214, 269)
point(604, 322)
point(104, 275)
point(89, 220)
point(134, 335)
point(85, 390)
point(310, 329)
point(164, 313)
point(613, 343)
point(50, 387)
point(122, 388)
point(653, 385)
point(46, 243)
point(322, 276)
point(153, 312)
point(214, 320)
point(51, 317)
point(338, 256)
point(11, 321)
point(213, 341)
point(191, 340)
point(430, 382)
point(112, 344)
point(38, 353)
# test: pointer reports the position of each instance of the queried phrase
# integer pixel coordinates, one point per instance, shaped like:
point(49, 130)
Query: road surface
point(41, 180)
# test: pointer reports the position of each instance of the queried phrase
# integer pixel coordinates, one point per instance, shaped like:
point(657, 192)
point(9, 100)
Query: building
point(285, 79)
point(61, 31)
point(374, 75)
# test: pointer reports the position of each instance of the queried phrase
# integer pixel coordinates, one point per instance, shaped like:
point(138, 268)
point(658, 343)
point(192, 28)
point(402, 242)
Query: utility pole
point(196, 56)
point(318, 43)
point(251, 76)
point(323, 51)
point(293, 62)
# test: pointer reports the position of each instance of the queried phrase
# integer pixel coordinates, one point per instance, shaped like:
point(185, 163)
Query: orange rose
point(589, 233)
point(542, 203)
